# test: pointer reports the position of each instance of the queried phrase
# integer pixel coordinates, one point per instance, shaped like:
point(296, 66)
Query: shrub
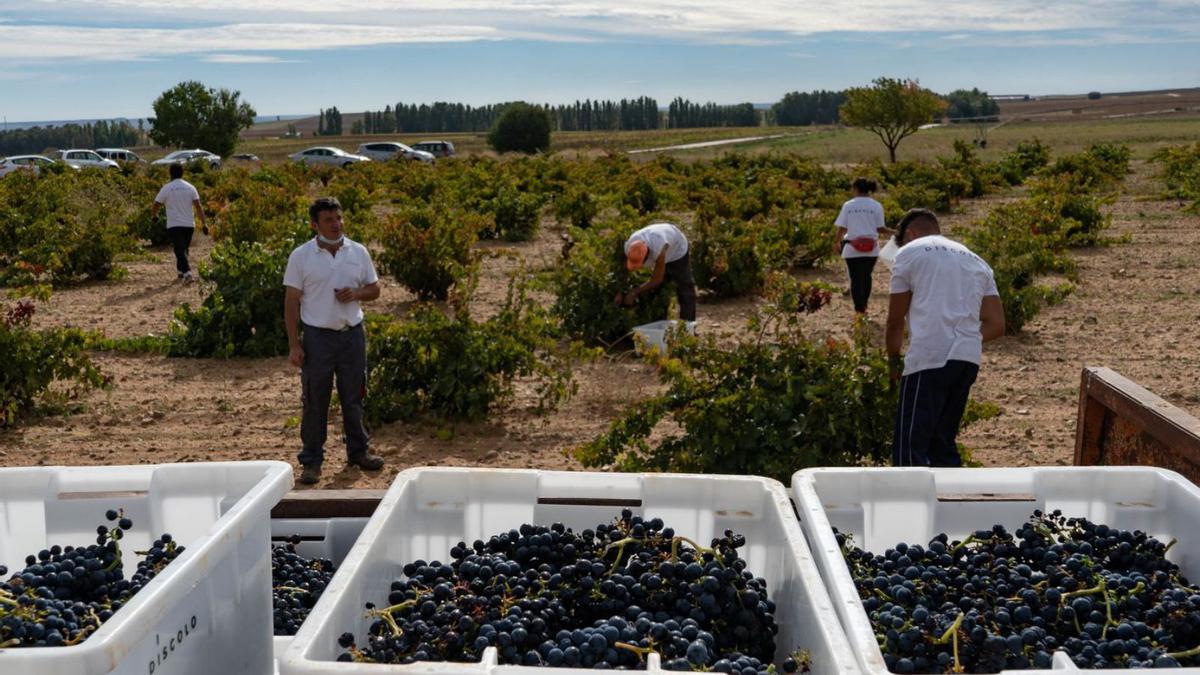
point(1100, 166)
point(725, 257)
point(586, 283)
point(266, 213)
point(641, 195)
point(797, 238)
point(1181, 172)
point(774, 403)
point(36, 361)
point(62, 228)
point(516, 215)
point(576, 207)
point(242, 315)
point(521, 128)
point(428, 248)
point(1024, 161)
point(459, 368)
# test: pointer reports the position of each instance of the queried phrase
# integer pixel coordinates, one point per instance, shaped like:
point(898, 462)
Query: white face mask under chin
point(330, 242)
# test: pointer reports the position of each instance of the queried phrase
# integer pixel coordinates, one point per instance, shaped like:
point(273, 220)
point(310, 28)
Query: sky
point(75, 59)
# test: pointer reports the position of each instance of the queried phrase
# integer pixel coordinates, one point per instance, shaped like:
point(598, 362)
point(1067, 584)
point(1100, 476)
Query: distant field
point(836, 145)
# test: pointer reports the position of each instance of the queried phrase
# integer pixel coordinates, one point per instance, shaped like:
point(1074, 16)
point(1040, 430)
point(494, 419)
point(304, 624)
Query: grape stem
point(1169, 545)
point(11, 643)
point(951, 635)
point(642, 652)
point(969, 540)
point(291, 589)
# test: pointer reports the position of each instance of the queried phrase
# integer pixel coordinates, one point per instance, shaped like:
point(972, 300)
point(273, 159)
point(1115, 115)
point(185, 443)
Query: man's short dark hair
point(323, 204)
point(865, 185)
point(918, 216)
point(176, 170)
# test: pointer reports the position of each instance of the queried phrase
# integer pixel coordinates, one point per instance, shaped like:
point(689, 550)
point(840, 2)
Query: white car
point(33, 163)
point(85, 159)
point(189, 156)
point(327, 155)
point(385, 150)
point(119, 155)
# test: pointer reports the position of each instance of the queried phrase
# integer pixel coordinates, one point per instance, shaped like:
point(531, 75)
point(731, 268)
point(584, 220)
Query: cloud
point(39, 42)
point(244, 26)
point(244, 58)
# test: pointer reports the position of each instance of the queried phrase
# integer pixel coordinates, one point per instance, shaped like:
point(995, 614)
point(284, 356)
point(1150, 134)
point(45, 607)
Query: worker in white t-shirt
point(181, 201)
point(859, 225)
point(948, 296)
point(326, 279)
point(663, 248)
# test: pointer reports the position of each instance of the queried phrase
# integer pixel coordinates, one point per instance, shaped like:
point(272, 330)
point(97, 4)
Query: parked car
point(327, 155)
point(119, 155)
point(189, 156)
point(245, 157)
point(436, 148)
point(385, 150)
point(85, 159)
point(32, 163)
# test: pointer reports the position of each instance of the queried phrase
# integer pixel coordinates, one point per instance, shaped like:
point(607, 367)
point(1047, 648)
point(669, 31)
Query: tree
point(521, 128)
point(192, 115)
point(968, 103)
point(891, 109)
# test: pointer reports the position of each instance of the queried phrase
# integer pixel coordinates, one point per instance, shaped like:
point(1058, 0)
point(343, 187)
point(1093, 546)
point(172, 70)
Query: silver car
point(31, 163)
point(189, 156)
point(119, 155)
point(85, 159)
point(327, 155)
point(386, 150)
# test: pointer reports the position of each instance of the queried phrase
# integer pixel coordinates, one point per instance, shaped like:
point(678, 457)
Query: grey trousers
point(330, 353)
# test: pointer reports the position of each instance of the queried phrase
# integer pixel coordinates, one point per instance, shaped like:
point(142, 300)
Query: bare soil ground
point(1136, 309)
point(1108, 106)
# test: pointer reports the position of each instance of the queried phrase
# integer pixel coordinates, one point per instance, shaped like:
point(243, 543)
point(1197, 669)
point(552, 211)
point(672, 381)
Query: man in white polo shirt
point(181, 200)
point(948, 295)
point(326, 279)
point(663, 248)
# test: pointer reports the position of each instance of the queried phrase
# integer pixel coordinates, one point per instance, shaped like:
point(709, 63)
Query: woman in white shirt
point(858, 228)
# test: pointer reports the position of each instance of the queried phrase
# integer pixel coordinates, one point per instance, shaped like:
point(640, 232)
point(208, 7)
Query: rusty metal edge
point(1105, 389)
point(328, 504)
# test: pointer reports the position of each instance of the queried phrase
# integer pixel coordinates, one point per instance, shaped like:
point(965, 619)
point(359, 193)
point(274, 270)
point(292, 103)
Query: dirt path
point(1136, 310)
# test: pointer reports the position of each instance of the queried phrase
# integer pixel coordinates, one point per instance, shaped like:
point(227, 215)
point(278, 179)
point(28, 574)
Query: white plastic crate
point(882, 507)
point(207, 612)
point(329, 538)
point(654, 336)
point(427, 511)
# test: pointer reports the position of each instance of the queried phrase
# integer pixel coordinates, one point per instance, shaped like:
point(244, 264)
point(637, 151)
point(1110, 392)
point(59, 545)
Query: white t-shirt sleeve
point(369, 275)
point(195, 193)
point(901, 275)
point(841, 218)
point(293, 276)
point(989, 287)
point(161, 197)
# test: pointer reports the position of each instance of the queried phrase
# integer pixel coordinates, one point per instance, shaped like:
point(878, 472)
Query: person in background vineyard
point(948, 296)
point(859, 225)
point(664, 249)
point(181, 201)
point(326, 279)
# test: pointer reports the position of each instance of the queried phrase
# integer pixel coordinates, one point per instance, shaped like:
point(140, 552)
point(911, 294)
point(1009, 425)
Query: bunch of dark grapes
point(605, 598)
point(1108, 598)
point(65, 593)
point(296, 584)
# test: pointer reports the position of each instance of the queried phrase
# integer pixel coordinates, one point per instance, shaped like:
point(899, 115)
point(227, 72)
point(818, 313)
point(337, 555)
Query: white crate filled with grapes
point(1003, 570)
point(137, 569)
point(483, 570)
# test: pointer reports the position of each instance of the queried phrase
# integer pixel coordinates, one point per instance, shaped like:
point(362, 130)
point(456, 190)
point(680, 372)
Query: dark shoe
point(366, 462)
point(311, 475)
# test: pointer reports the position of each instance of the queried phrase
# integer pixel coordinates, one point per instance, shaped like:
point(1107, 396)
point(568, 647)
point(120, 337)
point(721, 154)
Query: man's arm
point(656, 278)
point(837, 240)
point(200, 213)
point(154, 209)
point(291, 321)
point(898, 304)
point(991, 318)
point(362, 293)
